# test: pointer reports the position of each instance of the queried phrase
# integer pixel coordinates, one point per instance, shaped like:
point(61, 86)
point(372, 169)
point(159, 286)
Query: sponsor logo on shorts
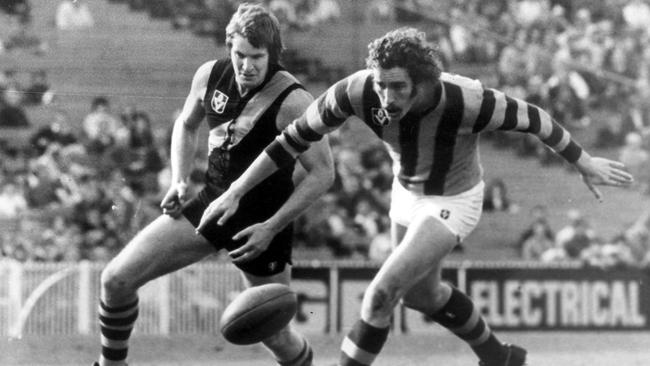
point(380, 116)
point(444, 214)
point(219, 101)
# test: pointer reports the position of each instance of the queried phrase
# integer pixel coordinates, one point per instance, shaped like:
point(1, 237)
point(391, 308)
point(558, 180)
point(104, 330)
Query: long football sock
point(460, 316)
point(362, 344)
point(116, 324)
point(304, 358)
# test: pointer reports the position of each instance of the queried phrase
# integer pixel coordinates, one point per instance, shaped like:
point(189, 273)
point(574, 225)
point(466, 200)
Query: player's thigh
point(283, 277)
point(420, 251)
point(163, 246)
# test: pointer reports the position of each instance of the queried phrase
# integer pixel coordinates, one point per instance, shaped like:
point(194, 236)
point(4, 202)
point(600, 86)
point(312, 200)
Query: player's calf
point(116, 324)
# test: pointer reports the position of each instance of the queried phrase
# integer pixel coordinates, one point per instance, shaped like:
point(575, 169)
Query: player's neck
point(243, 90)
point(428, 97)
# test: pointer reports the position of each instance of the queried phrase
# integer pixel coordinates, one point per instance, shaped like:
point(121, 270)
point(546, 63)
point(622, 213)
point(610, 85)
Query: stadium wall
point(60, 298)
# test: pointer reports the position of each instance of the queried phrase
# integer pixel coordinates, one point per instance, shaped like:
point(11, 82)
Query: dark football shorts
point(253, 208)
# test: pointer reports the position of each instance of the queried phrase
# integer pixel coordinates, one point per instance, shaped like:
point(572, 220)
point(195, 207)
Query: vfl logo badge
point(379, 116)
point(219, 101)
point(444, 214)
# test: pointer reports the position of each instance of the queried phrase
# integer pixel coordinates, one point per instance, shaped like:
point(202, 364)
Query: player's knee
point(426, 301)
point(379, 302)
point(114, 283)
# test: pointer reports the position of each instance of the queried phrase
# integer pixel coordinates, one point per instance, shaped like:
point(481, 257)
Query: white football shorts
point(459, 213)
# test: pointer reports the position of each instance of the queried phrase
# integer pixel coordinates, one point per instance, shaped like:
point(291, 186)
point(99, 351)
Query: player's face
point(250, 63)
point(395, 90)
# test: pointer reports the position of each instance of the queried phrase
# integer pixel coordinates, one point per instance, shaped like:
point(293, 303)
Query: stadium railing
point(61, 298)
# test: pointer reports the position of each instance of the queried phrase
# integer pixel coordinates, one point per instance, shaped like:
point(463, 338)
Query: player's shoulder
point(202, 73)
point(205, 69)
point(295, 103)
point(461, 81)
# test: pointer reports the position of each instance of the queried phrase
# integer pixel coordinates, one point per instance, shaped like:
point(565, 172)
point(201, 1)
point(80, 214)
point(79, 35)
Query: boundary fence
point(61, 298)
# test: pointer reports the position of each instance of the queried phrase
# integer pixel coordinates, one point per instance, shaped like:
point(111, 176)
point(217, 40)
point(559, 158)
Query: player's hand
point(221, 209)
point(600, 171)
point(173, 201)
point(259, 238)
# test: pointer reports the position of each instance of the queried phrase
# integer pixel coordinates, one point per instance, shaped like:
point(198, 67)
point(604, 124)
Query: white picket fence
point(62, 298)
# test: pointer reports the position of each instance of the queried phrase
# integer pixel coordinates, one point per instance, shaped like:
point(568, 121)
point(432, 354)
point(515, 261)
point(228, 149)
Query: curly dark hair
point(260, 28)
point(408, 48)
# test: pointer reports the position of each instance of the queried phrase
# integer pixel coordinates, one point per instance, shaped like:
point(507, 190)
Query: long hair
point(407, 48)
point(260, 28)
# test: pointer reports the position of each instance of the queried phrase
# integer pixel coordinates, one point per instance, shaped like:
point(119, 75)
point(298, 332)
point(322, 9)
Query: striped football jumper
point(436, 153)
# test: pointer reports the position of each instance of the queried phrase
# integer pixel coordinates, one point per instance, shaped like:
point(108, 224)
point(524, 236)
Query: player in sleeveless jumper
point(247, 100)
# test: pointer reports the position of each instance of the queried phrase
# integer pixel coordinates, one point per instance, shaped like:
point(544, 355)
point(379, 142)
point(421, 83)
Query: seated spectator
point(537, 243)
point(611, 254)
point(38, 92)
point(575, 236)
point(26, 39)
point(496, 197)
point(73, 14)
point(12, 200)
point(100, 126)
point(56, 132)
point(11, 112)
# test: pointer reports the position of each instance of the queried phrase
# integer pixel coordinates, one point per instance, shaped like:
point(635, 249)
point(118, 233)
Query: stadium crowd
point(73, 195)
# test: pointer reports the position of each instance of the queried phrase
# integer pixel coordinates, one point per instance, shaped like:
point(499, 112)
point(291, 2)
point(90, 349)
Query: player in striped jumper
point(430, 122)
point(246, 100)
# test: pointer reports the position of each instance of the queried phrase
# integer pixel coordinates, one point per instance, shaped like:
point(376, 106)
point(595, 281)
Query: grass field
point(431, 348)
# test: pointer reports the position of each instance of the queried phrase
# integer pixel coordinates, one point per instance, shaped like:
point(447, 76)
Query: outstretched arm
point(319, 166)
point(600, 171)
point(500, 112)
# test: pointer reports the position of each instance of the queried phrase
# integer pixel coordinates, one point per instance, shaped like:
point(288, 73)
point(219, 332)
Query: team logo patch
point(380, 116)
point(444, 214)
point(219, 101)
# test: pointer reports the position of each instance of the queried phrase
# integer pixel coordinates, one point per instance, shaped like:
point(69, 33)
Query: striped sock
point(460, 316)
point(362, 345)
point(116, 324)
point(304, 358)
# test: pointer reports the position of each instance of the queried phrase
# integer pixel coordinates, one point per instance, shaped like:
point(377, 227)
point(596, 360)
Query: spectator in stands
point(496, 197)
point(12, 200)
point(538, 242)
point(100, 126)
point(609, 254)
point(38, 91)
point(575, 236)
point(73, 14)
point(538, 215)
point(568, 94)
point(636, 14)
point(59, 132)
point(141, 159)
point(12, 113)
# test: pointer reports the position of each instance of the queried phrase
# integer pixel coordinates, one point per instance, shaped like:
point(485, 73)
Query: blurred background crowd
point(70, 193)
